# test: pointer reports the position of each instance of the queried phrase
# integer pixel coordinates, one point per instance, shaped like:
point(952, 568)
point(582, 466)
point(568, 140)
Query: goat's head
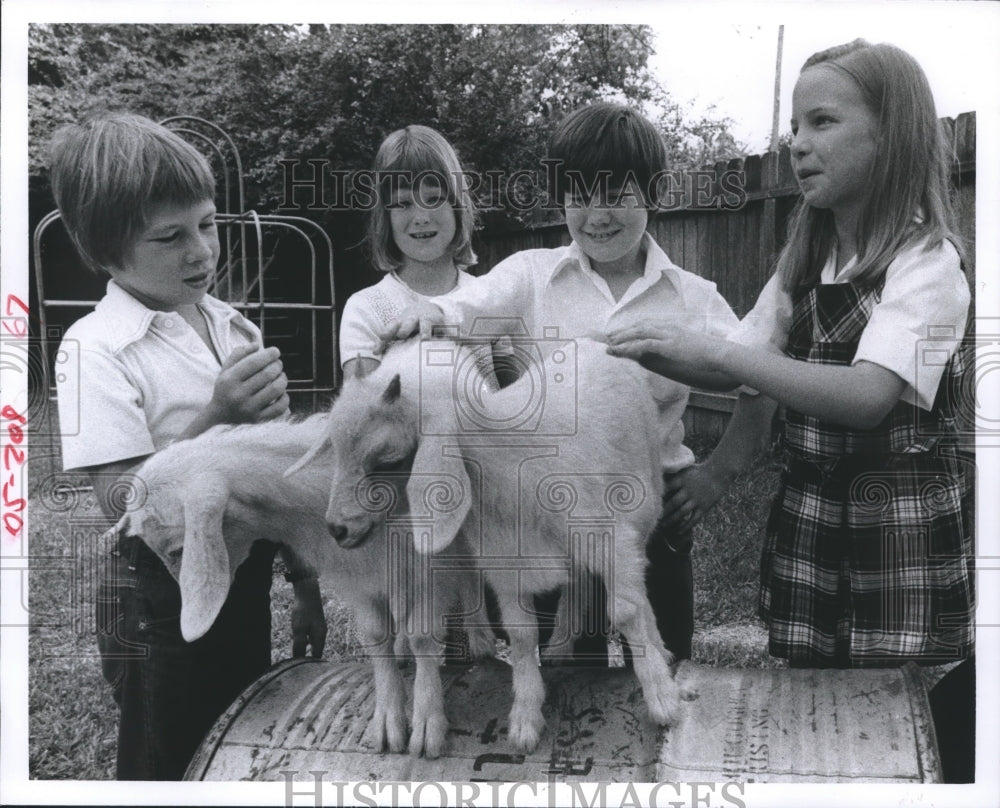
point(181, 520)
point(385, 466)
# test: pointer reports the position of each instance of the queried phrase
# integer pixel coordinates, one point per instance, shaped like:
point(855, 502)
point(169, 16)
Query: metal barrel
point(776, 725)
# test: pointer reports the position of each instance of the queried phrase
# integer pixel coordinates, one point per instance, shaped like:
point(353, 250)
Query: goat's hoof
point(390, 730)
point(428, 737)
point(525, 729)
point(664, 703)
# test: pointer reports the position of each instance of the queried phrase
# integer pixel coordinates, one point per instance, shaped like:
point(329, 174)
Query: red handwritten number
point(15, 504)
point(10, 453)
point(13, 522)
point(11, 414)
point(15, 300)
point(18, 329)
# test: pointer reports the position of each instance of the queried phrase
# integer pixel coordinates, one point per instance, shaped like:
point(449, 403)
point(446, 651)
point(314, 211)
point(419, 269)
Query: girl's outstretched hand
point(666, 348)
point(689, 357)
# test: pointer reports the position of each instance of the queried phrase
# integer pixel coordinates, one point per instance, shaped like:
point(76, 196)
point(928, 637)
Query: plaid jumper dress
point(868, 558)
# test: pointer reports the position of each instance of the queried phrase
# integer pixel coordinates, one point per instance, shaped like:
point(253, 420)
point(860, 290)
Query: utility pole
point(777, 91)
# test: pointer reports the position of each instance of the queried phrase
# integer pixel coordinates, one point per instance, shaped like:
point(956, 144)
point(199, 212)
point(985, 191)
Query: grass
point(73, 719)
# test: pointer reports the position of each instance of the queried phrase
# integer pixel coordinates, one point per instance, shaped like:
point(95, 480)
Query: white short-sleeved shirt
point(924, 303)
point(557, 295)
point(143, 376)
point(368, 311)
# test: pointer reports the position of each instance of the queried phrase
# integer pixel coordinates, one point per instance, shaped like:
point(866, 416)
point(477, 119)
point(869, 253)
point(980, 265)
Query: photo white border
point(15, 787)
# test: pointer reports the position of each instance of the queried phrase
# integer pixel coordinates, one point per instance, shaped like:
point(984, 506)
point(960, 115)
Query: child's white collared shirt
point(143, 376)
point(369, 310)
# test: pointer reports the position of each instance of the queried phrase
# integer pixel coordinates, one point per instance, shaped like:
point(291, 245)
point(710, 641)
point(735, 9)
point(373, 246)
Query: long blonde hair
point(909, 174)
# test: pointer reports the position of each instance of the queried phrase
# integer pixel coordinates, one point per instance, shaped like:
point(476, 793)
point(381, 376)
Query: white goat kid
point(512, 496)
point(202, 503)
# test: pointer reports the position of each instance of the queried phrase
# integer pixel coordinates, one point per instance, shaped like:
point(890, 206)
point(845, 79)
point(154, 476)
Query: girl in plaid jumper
point(868, 556)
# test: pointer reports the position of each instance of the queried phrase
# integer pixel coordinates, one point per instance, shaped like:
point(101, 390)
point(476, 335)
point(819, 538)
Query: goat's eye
point(391, 465)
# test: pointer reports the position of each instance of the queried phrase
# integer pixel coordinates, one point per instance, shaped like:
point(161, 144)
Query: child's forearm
point(746, 435)
point(858, 395)
point(707, 379)
point(202, 422)
point(298, 568)
point(504, 293)
point(308, 619)
point(692, 492)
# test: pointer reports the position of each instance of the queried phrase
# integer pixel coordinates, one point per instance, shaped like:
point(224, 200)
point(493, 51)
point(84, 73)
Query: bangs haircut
point(110, 170)
point(407, 158)
point(910, 171)
point(605, 145)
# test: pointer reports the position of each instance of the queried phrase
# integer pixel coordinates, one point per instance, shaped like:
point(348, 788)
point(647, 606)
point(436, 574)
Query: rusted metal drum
point(775, 725)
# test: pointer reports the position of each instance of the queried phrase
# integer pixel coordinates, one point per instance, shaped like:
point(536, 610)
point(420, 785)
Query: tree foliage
point(333, 92)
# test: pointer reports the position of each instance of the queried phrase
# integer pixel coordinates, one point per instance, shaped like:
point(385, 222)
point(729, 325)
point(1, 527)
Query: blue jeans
point(170, 691)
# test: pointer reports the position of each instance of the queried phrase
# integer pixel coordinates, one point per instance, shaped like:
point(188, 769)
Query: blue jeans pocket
point(115, 594)
point(137, 607)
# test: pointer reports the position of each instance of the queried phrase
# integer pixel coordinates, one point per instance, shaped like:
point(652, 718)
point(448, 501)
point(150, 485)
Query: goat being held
point(203, 502)
point(553, 474)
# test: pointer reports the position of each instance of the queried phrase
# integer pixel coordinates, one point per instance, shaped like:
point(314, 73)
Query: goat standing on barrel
point(509, 488)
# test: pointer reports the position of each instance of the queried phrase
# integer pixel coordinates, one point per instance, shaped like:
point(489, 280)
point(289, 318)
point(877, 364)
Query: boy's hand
point(250, 387)
point(422, 317)
point(689, 494)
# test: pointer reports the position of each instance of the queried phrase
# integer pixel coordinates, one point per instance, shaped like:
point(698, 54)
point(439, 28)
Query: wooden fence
point(735, 245)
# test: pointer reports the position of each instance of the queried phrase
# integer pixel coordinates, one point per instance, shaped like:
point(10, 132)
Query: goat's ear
point(391, 393)
point(439, 491)
point(205, 564)
point(307, 458)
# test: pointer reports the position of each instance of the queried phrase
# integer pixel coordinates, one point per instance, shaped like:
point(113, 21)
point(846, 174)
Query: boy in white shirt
point(160, 360)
